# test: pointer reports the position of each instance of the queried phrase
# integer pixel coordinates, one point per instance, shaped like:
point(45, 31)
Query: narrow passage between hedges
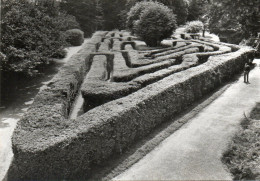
point(194, 152)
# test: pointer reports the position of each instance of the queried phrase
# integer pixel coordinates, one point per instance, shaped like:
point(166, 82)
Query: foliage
point(75, 37)
point(31, 35)
point(197, 9)
point(194, 27)
point(242, 157)
point(235, 16)
point(156, 23)
point(85, 13)
point(112, 13)
point(179, 7)
point(135, 12)
point(99, 15)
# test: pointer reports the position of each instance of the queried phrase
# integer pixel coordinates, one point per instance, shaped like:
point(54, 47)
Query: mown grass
point(243, 154)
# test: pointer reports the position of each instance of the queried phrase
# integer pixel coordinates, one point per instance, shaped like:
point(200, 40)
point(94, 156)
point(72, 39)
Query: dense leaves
point(197, 9)
point(179, 7)
point(85, 12)
point(238, 18)
point(194, 27)
point(135, 13)
point(75, 37)
point(31, 35)
point(156, 23)
point(97, 14)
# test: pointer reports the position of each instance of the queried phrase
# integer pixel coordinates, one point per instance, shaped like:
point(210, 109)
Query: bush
point(31, 35)
point(75, 37)
point(134, 14)
point(194, 27)
point(156, 23)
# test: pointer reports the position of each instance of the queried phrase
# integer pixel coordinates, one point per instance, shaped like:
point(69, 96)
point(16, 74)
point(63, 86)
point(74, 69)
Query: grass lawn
point(242, 157)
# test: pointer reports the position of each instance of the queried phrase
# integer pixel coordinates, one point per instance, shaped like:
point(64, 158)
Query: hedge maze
point(127, 92)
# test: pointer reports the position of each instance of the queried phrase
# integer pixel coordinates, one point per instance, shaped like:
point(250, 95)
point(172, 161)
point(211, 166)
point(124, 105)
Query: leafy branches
point(31, 35)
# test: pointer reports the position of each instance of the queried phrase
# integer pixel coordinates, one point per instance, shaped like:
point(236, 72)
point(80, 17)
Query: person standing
point(246, 73)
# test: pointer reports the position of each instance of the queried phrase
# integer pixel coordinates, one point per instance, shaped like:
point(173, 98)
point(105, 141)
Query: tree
point(179, 7)
point(32, 35)
point(135, 12)
point(99, 15)
point(235, 19)
point(156, 23)
point(84, 11)
point(197, 8)
point(112, 13)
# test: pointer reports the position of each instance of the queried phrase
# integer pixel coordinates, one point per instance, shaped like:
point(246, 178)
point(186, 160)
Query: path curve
point(194, 152)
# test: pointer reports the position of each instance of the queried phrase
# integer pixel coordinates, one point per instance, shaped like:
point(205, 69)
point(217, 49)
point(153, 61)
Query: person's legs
point(247, 77)
point(244, 76)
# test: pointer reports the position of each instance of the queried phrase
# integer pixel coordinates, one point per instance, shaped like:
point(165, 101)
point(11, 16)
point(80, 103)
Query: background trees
point(197, 9)
point(235, 19)
point(180, 8)
point(85, 12)
point(31, 35)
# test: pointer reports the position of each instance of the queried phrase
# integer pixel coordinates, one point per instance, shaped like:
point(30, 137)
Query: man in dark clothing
point(246, 73)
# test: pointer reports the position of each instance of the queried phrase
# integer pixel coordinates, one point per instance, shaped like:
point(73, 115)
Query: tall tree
point(112, 13)
point(99, 15)
point(179, 7)
point(235, 17)
point(84, 11)
point(31, 35)
point(197, 8)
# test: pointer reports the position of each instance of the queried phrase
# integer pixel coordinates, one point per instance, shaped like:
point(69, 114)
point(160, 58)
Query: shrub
point(75, 37)
point(194, 27)
point(31, 35)
point(156, 23)
point(134, 14)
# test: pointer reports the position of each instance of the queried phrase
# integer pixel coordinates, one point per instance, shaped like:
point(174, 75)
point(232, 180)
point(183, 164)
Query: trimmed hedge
point(149, 53)
point(126, 75)
point(137, 62)
point(68, 153)
point(51, 107)
point(52, 104)
point(48, 146)
point(96, 92)
point(192, 45)
point(75, 37)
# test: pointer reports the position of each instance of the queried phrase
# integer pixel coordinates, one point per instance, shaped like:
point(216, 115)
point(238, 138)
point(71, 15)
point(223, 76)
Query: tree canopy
point(31, 35)
point(235, 16)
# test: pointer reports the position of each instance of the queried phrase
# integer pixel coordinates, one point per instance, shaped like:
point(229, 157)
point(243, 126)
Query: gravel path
point(194, 151)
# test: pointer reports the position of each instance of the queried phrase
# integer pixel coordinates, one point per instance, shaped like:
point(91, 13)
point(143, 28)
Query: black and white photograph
point(129, 90)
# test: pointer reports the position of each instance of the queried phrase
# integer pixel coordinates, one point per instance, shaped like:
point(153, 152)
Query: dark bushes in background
point(179, 7)
point(75, 37)
point(156, 23)
point(32, 35)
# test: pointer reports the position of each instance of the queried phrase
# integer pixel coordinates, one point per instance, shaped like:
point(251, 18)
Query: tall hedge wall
point(58, 148)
